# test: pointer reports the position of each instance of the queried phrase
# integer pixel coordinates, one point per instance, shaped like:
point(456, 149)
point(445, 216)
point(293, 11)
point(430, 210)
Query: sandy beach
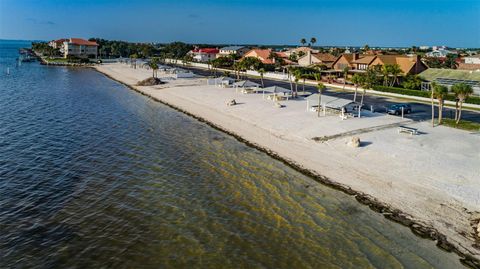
point(432, 178)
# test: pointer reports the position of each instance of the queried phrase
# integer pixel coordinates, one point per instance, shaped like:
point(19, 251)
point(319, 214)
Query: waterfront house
point(79, 48)
point(57, 44)
point(310, 58)
point(204, 54)
point(236, 50)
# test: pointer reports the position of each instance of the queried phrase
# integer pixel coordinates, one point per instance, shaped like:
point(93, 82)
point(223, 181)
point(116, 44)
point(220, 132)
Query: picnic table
point(408, 130)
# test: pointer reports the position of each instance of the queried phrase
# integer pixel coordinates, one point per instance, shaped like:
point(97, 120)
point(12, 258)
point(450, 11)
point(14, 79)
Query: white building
point(474, 59)
point(439, 53)
point(204, 55)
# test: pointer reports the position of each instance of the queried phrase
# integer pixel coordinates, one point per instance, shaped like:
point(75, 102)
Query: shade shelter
point(246, 84)
point(224, 81)
point(330, 102)
point(275, 91)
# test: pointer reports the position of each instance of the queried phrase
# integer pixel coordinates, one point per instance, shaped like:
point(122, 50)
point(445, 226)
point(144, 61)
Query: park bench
point(408, 130)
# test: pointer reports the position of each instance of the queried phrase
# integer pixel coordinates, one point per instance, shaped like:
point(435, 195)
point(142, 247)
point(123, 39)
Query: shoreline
point(417, 226)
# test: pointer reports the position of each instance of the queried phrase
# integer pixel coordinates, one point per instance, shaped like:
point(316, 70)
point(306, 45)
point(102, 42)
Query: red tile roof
point(263, 55)
point(80, 41)
point(61, 40)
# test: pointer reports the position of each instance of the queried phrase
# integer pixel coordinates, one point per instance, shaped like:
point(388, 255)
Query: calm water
point(95, 175)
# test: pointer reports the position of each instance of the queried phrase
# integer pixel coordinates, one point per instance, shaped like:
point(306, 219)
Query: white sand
point(433, 177)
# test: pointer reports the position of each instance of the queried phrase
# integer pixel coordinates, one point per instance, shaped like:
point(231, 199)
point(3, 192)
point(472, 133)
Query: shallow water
point(95, 175)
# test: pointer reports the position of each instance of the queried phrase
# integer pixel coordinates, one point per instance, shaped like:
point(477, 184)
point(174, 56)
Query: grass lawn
point(433, 73)
point(463, 124)
point(56, 60)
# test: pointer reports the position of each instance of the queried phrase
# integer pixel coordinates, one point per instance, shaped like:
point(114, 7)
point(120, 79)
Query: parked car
point(396, 109)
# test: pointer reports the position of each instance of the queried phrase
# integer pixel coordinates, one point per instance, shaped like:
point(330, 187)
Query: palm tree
point(296, 87)
point(386, 70)
point(440, 92)
point(320, 88)
point(303, 41)
point(432, 86)
point(345, 74)
point(313, 40)
point(395, 71)
point(462, 91)
point(261, 71)
point(237, 68)
point(290, 70)
point(298, 75)
point(357, 79)
point(365, 84)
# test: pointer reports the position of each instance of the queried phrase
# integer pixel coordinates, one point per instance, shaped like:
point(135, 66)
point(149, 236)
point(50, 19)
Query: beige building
point(81, 48)
point(317, 58)
point(76, 47)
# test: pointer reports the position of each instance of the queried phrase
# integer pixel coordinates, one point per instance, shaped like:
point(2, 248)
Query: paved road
point(420, 111)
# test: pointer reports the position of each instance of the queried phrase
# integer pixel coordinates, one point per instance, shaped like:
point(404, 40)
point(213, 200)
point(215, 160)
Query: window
point(362, 67)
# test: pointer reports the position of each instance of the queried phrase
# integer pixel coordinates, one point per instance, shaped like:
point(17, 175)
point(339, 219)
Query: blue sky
point(454, 23)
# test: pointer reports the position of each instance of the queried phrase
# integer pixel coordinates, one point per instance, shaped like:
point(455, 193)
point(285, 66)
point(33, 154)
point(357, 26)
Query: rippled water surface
point(95, 175)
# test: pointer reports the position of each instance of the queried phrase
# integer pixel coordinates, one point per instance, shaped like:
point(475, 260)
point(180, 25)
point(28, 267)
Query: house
point(264, 55)
point(79, 48)
point(317, 58)
point(237, 50)
point(439, 53)
point(57, 44)
point(345, 60)
point(409, 65)
point(360, 63)
point(204, 54)
point(299, 51)
point(470, 63)
point(363, 63)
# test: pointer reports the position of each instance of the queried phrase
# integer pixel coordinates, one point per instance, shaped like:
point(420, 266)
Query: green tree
point(320, 88)
point(412, 82)
point(462, 92)
point(395, 72)
point(187, 59)
point(313, 40)
point(440, 92)
point(433, 62)
point(386, 71)
point(365, 48)
point(298, 74)
point(451, 61)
